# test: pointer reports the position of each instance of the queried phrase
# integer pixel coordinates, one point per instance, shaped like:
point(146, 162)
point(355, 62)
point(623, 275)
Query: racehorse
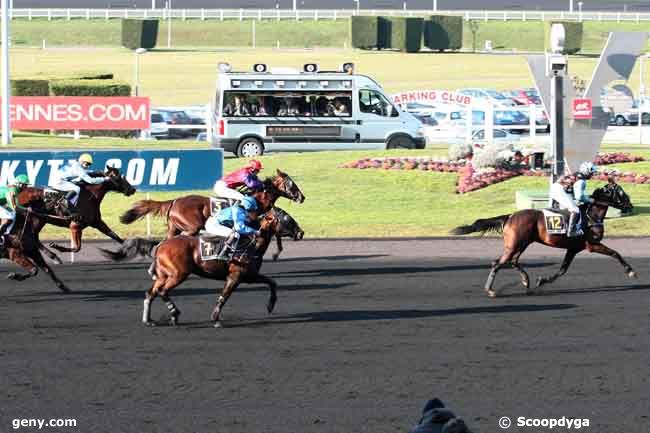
point(89, 209)
point(23, 248)
point(177, 258)
point(525, 227)
point(187, 215)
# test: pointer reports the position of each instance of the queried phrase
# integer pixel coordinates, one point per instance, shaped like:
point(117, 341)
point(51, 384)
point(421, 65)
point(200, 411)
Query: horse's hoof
point(540, 281)
point(217, 325)
point(491, 293)
point(64, 288)
point(632, 274)
point(11, 276)
point(270, 306)
point(149, 323)
point(275, 257)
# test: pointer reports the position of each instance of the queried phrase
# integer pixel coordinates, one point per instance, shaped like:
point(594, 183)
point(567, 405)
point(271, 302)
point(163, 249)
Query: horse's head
point(281, 224)
point(283, 183)
point(117, 182)
point(288, 227)
point(614, 195)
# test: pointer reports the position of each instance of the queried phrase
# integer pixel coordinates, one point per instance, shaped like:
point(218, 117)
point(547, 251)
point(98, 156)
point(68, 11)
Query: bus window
point(287, 103)
point(374, 102)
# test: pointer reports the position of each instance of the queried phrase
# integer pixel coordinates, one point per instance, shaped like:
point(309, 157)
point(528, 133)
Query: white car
point(158, 128)
point(497, 99)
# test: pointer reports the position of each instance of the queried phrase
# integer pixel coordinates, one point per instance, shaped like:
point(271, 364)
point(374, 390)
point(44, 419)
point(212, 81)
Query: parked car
point(417, 108)
point(524, 96)
point(158, 128)
point(498, 99)
point(176, 117)
point(499, 136)
point(624, 118)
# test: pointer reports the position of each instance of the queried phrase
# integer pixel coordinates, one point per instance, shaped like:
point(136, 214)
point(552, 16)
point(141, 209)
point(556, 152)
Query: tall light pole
point(435, 5)
point(641, 95)
point(136, 85)
point(6, 130)
point(571, 6)
point(556, 69)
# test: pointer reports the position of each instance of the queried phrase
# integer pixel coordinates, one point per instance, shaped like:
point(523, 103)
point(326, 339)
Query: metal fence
point(315, 14)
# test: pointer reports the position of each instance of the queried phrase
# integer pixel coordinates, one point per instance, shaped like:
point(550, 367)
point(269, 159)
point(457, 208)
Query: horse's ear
point(611, 180)
point(279, 172)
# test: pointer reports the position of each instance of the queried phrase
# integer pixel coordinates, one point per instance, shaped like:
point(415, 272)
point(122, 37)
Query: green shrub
point(30, 87)
point(139, 33)
point(573, 36)
point(406, 34)
point(89, 88)
point(385, 29)
point(365, 32)
point(443, 32)
point(91, 75)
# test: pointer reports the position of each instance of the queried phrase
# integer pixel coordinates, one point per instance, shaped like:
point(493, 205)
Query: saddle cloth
point(556, 221)
point(217, 204)
point(210, 246)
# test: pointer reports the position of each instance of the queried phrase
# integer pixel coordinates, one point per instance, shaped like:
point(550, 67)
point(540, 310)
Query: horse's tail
point(145, 207)
point(132, 248)
point(483, 226)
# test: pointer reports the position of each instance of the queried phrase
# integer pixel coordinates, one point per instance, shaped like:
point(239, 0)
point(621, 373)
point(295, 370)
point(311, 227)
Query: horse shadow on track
point(395, 270)
point(586, 290)
point(128, 295)
point(371, 315)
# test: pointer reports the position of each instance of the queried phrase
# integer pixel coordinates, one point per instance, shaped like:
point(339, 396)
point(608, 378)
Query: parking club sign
point(581, 108)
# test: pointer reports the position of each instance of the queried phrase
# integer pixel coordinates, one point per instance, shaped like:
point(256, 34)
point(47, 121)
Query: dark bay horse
point(89, 209)
point(525, 227)
point(187, 215)
point(23, 248)
point(177, 258)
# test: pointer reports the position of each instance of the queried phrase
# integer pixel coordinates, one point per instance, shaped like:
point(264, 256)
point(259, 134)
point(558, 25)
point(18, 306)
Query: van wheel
point(400, 142)
point(620, 121)
point(250, 148)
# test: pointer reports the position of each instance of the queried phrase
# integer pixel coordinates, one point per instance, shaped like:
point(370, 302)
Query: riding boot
point(228, 248)
point(70, 208)
point(574, 229)
point(3, 228)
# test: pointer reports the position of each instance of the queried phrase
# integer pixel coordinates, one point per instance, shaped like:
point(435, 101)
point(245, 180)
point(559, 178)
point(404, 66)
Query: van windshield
point(287, 104)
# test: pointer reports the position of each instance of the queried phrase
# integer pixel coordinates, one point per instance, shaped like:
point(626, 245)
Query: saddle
point(557, 220)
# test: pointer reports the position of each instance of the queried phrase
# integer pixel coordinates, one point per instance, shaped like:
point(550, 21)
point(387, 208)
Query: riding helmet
point(21, 179)
point(249, 203)
point(254, 164)
point(587, 168)
point(87, 158)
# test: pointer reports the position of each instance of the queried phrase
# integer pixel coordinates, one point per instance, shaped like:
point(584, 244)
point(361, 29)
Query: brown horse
point(187, 215)
point(177, 258)
point(22, 247)
point(89, 209)
point(525, 227)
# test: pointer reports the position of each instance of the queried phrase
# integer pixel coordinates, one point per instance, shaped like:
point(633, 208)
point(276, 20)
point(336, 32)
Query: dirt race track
point(363, 334)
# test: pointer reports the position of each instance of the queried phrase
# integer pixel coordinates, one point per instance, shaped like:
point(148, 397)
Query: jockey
point(69, 177)
point(233, 222)
point(9, 202)
point(577, 184)
point(245, 176)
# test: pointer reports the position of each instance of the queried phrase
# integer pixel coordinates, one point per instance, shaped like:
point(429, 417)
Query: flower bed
point(471, 180)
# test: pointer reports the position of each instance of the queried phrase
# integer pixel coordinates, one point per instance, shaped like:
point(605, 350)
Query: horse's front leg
point(37, 258)
point(75, 232)
point(279, 244)
point(273, 296)
point(231, 284)
point(55, 258)
point(102, 227)
point(602, 249)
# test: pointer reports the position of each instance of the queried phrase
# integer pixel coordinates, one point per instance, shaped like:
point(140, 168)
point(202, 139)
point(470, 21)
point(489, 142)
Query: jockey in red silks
point(226, 187)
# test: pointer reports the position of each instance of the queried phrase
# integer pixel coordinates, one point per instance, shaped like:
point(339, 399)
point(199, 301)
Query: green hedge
point(30, 87)
point(406, 34)
point(443, 32)
point(93, 75)
point(139, 33)
point(573, 36)
point(89, 88)
point(364, 32)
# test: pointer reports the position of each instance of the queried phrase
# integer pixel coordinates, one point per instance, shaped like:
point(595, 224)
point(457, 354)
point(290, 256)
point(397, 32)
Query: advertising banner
point(147, 170)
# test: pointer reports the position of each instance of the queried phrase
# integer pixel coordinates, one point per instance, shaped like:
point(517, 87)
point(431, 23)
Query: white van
point(289, 110)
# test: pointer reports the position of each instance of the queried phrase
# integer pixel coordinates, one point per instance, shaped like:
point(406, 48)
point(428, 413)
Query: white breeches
point(64, 185)
point(221, 190)
point(563, 198)
point(7, 213)
point(212, 226)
